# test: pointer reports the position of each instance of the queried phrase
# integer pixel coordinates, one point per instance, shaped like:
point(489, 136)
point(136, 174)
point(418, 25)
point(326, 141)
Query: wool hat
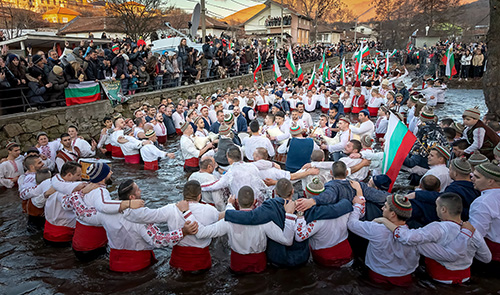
point(33, 150)
point(474, 113)
point(365, 112)
point(400, 85)
point(382, 182)
point(228, 118)
point(461, 165)
point(334, 96)
point(357, 89)
point(36, 58)
point(414, 98)
point(295, 129)
point(41, 134)
point(224, 130)
point(115, 48)
point(357, 84)
point(384, 108)
point(345, 119)
point(489, 170)
point(400, 205)
point(57, 70)
point(315, 187)
point(385, 82)
point(98, 171)
point(427, 115)
point(127, 130)
point(477, 159)
point(204, 107)
point(184, 126)
point(458, 127)
point(11, 144)
point(443, 151)
point(496, 150)
point(189, 112)
point(366, 140)
point(150, 133)
point(195, 121)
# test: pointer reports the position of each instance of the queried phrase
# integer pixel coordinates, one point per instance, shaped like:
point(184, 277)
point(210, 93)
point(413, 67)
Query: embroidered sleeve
point(159, 239)
point(304, 230)
point(76, 203)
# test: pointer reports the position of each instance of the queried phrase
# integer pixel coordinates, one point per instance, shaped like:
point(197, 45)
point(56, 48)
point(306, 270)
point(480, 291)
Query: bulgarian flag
point(393, 53)
point(257, 68)
point(386, 67)
point(311, 82)
point(290, 63)
point(83, 92)
point(342, 72)
point(276, 69)
point(398, 143)
point(365, 51)
point(326, 73)
point(300, 75)
point(322, 64)
point(449, 61)
point(357, 66)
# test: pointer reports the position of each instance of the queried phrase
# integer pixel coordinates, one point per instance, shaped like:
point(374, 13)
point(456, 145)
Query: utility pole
point(281, 22)
point(203, 23)
point(356, 24)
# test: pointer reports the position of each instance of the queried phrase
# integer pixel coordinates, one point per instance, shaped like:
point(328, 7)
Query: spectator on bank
point(37, 88)
point(59, 83)
point(17, 69)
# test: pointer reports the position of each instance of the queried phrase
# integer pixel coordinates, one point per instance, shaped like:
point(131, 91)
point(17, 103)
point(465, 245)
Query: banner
point(113, 90)
point(83, 92)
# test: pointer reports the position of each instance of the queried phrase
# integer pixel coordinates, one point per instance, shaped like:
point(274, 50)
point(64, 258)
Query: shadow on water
point(28, 266)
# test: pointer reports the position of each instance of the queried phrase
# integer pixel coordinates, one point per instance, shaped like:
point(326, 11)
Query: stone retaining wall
point(23, 127)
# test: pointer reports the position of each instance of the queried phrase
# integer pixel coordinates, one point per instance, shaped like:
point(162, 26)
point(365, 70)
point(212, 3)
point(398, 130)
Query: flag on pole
point(357, 66)
point(342, 72)
point(300, 75)
point(393, 53)
point(276, 69)
point(365, 51)
point(311, 82)
point(258, 67)
point(375, 67)
point(322, 64)
point(398, 143)
point(386, 67)
point(290, 63)
point(326, 73)
point(83, 92)
point(449, 61)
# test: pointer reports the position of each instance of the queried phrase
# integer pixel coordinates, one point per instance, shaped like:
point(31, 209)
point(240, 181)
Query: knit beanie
point(366, 140)
point(400, 205)
point(382, 182)
point(295, 129)
point(11, 144)
point(228, 118)
point(477, 158)
point(496, 150)
point(314, 188)
point(150, 133)
point(224, 130)
point(490, 171)
point(345, 119)
point(41, 134)
point(115, 48)
point(427, 115)
point(195, 121)
point(127, 130)
point(414, 98)
point(57, 70)
point(474, 113)
point(184, 126)
point(36, 59)
point(98, 171)
point(443, 151)
point(461, 165)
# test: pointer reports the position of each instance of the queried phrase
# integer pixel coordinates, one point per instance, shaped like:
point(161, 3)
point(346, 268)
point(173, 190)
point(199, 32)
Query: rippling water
point(27, 266)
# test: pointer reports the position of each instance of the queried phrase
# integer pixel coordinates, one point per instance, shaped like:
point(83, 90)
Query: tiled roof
point(244, 14)
point(91, 24)
point(62, 10)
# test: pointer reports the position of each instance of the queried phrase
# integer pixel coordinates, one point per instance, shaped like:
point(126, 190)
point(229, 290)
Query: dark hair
point(30, 160)
point(461, 144)
point(262, 153)
point(334, 108)
point(106, 119)
point(431, 183)
point(356, 144)
point(64, 135)
point(452, 202)
point(42, 175)
point(317, 155)
point(125, 189)
point(245, 197)
point(69, 167)
point(284, 188)
point(449, 132)
point(191, 190)
point(204, 162)
point(280, 114)
point(138, 121)
point(254, 126)
point(447, 121)
point(73, 126)
point(271, 116)
point(234, 153)
point(339, 169)
point(220, 111)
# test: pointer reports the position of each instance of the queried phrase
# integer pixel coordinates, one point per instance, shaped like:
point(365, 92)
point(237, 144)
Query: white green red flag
point(276, 69)
point(290, 63)
point(449, 61)
point(258, 67)
point(365, 51)
point(311, 82)
point(322, 64)
point(357, 65)
point(342, 72)
point(393, 53)
point(300, 74)
point(83, 92)
point(326, 73)
point(375, 63)
point(398, 143)
point(386, 67)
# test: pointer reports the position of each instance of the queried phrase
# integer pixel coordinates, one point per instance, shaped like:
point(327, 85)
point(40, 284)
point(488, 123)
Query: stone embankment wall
point(23, 127)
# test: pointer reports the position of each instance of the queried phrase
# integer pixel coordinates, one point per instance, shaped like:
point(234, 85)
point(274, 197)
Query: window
point(64, 19)
point(54, 19)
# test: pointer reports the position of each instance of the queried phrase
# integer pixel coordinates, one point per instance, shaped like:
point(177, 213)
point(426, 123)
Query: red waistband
point(88, 238)
point(162, 139)
point(337, 255)
point(347, 110)
point(151, 165)
point(356, 110)
point(56, 233)
point(440, 273)
point(130, 260)
point(404, 281)
point(116, 152)
point(192, 162)
point(33, 210)
point(263, 108)
point(248, 263)
point(190, 258)
point(133, 159)
point(494, 249)
point(373, 111)
point(109, 147)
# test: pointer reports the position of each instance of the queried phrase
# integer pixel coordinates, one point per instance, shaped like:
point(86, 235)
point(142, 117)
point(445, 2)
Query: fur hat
point(98, 171)
point(477, 158)
point(366, 140)
point(489, 170)
point(474, 113)
point(382, 182)
point(314, 188)
point(461, 165)
point(400, 205)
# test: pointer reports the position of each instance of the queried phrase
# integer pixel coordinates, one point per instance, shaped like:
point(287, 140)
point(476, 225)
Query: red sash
point(162, 139)
point(336, 256)
point(190, 258)
point(116, 152)
point(109, 147)
point(130, 260)
point(356, 110)
point(151, 165)
point(56, 233)
point(248, 263)
point(494, 248)
point(347, 110)
point(440, 273)
point(325, 110)
point(404, 281)
point(24, 205)
point(33, 210)
point(373, 111)
point(133, 159)
point(379, 135)
point(88, 238)
point(193, 162)
point(263, 108)
point(178, 131)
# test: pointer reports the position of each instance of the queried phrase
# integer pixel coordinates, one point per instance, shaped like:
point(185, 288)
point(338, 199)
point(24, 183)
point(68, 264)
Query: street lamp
point(427, 30)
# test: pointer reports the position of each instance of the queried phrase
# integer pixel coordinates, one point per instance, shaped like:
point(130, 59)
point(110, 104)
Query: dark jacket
point(337, 189)
point(423, 208)
point(466, 190)
point(58, 85)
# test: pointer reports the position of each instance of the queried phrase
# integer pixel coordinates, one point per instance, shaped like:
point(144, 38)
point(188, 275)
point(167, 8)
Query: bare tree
point(15, 20)
point(491, 86)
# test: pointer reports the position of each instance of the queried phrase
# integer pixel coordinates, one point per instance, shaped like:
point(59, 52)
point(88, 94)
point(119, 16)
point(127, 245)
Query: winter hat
point(40, 134)
point(458, 127)
point(195, 121)
point(184, 126)
point(366, 140)
point(204, 107)
point(400, 205)
point(474, 113)
point(228, 118)
point(11, 144)
point(345, 119)
point(36, 59)
point(443, 151)
point(427, 115)
point(295, 129)
point(477, 159)
point(57, 70)
point(400, 85)
point(150, 133)
point(382, 182)
point(365, 112)
point(33, 150)
point(489, 170)
point(98, 171)
point(115, 48)
point(127, 130)
point(414, 99)
point(496, 150)
point(314, 188)
point(224, 130)
point(334, 97)
point(461, 165)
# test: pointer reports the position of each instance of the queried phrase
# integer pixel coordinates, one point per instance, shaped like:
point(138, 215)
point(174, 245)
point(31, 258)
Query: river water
point(28, 266)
